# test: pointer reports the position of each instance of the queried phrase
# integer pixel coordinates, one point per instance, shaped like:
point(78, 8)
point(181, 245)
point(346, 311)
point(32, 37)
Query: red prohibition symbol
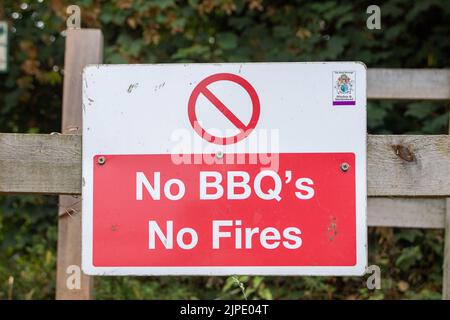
point(244, 129)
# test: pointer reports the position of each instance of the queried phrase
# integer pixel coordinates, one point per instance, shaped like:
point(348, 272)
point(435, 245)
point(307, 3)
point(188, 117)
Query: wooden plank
point(25, 159)
point(412, 84)
point(408, 166)
point(426, 213)
point(41, 163)
point(83, 47)
point(399, 165)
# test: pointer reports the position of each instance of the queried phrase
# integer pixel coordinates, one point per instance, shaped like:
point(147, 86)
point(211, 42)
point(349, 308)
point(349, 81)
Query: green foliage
point(28, 233)
point(413, 35)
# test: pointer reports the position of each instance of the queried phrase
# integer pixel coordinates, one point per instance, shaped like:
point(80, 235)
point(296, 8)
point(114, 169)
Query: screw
point(219, 154)
point(101, 160)
point(345, 167)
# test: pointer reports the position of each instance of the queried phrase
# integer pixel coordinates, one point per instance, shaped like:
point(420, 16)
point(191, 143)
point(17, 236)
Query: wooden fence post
point(83, 47)
point(446, 266)
point(446, 279)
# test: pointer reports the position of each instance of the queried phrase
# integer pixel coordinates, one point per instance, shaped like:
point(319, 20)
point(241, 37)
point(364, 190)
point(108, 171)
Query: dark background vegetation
point(414, 34)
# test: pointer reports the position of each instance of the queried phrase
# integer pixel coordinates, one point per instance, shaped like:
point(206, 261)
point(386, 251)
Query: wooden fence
point(408, 175)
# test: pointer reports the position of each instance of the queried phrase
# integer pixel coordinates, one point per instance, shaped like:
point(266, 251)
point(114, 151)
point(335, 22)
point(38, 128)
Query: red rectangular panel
point(121, 232)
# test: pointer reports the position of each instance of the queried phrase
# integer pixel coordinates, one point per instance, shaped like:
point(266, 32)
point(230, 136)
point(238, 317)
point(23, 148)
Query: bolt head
point(101, 160)
point(219, 154)
point(345, 167)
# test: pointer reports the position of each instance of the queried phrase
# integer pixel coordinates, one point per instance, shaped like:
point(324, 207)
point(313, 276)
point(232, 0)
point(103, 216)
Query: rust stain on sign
point(332, 228)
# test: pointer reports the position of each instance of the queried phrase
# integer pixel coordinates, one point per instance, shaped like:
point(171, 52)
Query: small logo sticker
point(344, 88)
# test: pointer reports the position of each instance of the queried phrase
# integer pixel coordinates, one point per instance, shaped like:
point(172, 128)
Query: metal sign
point(3, 46)
point(216, 169)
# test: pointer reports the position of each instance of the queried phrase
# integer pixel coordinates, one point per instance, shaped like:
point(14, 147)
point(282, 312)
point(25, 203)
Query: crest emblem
point(344, 85)
point(344, 88)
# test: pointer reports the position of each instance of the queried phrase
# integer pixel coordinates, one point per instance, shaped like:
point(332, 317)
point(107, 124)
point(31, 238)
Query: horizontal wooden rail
point(40, 163)
point(398, 165)
point(411, 84)
point(414, 165)
point(427, 213)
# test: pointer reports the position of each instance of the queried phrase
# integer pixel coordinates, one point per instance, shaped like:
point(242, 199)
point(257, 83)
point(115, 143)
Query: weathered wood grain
point(411, 84)
point(83, 47)
point(45, 164)
point(397, 165)
point(426, 213)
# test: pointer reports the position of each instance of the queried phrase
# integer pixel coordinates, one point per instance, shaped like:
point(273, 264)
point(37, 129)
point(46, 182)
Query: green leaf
point(265, 293)
point(409, 257)
point(227, 40)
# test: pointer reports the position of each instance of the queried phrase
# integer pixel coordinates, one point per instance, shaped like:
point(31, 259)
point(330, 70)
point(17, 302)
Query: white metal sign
point(253, 168)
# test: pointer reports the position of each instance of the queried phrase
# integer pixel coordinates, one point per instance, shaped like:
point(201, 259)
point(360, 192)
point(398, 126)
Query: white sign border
point(358, 269)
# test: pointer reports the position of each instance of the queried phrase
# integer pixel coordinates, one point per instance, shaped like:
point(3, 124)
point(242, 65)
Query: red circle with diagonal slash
point(244, 130)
